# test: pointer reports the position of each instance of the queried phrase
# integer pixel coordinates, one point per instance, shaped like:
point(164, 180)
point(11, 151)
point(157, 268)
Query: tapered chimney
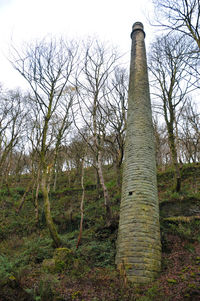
point(138, 244)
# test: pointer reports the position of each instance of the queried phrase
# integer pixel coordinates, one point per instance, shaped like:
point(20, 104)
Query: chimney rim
point(137, 26)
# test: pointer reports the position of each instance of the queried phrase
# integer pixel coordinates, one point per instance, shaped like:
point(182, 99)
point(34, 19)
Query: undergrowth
point(26, 246)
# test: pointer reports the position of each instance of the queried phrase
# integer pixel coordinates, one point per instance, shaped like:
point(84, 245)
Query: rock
point(63, 259)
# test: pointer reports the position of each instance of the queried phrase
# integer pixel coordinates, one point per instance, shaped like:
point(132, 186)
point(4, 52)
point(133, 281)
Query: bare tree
point(190, 132)
point(12, 119)
point(76, 153)
point(182, 16)
point(116, 109)
point(163, 157)
point(179, 15)
point(84, 151)
point(62, 123)
point(171, 83)
point(47, 67)
point(99, 62)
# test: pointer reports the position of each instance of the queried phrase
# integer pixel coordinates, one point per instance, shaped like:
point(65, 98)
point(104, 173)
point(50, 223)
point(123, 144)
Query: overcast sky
point(25, 20)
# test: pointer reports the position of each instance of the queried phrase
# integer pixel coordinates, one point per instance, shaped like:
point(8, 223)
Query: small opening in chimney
point(130, 193)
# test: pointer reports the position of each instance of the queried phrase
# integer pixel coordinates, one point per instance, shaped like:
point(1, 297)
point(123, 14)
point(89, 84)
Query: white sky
point(25, 20)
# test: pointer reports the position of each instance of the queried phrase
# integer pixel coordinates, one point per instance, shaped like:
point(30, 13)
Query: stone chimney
point(138, 244)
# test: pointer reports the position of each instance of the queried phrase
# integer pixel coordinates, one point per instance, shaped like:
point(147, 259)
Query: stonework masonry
point(138, 243)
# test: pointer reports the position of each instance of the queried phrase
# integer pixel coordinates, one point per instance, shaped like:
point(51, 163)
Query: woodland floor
point(31, 269)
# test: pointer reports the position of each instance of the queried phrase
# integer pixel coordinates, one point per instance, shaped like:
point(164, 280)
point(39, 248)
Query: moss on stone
point(48, 265)
point(63, 259)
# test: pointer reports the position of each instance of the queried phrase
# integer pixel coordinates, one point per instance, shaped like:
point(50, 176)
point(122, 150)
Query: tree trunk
point(24, 196)
point(36, 197)
point(119, 177)
point(7, 175)
point(47, 211)
point(82, 204)
point(55, 179)
point(105, 191)
point(118, 163)
point(177, 174)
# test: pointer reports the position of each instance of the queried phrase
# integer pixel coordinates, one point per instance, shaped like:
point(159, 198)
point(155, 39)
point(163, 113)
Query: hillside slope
point(31, 269)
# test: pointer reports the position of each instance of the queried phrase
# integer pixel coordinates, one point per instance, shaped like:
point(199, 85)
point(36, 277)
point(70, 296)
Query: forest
point(61, 158)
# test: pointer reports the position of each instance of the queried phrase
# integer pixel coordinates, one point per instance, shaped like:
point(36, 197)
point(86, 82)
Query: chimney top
point(137, 26)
